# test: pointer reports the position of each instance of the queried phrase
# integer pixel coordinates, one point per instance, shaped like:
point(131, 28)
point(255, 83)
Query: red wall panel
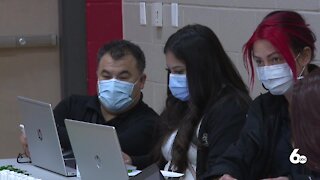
point(103, 24)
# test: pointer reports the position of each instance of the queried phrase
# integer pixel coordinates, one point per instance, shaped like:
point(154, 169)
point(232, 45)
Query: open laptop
point(42, 137)
point(98, 153)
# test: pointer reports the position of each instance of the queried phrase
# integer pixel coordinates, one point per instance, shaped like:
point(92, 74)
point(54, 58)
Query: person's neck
point(107, 115)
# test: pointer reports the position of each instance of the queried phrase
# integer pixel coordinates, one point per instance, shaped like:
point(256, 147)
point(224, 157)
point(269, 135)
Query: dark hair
point(209, 70)
point(285, 30)
point(305, 118)
point(120, 48)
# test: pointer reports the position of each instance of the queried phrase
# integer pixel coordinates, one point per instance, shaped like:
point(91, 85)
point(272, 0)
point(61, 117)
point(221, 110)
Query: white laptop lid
point(42, 136)
point(97, 151)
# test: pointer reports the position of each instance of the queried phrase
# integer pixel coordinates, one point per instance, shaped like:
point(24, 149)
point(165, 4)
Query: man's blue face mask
point(178, 86)
point(115, 95)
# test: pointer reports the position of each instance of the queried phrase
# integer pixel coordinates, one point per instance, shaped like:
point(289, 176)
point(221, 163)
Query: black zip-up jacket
point(220, 127)
point(264, 147)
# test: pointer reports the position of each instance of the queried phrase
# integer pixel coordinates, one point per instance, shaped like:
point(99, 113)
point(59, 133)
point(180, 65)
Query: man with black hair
point(119, 102)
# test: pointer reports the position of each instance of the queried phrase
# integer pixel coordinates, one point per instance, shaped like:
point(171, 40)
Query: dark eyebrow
point(105, 71)
point(276, 52)
point(255, 57)
point(177, 67)
point(124, 73)
point(273, 54)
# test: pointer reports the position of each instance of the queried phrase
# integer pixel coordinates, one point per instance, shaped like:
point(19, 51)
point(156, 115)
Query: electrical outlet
point(156, 14)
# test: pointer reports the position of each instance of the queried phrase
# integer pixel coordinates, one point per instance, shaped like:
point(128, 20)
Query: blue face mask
point(115, 95)
point(178, 86)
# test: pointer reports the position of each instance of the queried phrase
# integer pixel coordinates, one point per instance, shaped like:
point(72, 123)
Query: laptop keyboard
point(11, 175)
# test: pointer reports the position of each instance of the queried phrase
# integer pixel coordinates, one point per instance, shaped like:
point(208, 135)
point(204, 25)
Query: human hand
point(226, 177)
point(126, 158)
point(24, 143)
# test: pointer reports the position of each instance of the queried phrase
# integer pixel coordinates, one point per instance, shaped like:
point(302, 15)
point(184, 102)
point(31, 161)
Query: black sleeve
point(237, 159)
point(146, 160)
point(138, 142)
point(61, 112)
point(137, 139)
point(142, 161)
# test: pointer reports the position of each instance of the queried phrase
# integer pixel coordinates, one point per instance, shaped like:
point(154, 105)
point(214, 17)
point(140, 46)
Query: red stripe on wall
point(103, 24)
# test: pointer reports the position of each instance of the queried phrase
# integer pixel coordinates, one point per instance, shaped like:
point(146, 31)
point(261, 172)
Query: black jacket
point(264, 146)
point(220, 127)
point(134, 128)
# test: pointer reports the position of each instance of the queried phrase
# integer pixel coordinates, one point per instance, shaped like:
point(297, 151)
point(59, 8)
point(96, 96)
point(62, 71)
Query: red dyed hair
point(305, 118)
point(287, 31)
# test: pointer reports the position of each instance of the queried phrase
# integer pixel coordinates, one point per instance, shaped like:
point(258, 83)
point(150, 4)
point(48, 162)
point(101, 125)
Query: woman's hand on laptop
point(126, 158)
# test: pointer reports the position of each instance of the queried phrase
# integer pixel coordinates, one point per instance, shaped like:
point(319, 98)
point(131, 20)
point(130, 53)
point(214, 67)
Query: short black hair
point(120, 48)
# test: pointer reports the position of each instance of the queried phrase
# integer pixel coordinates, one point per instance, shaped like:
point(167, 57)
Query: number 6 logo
point(296, 158)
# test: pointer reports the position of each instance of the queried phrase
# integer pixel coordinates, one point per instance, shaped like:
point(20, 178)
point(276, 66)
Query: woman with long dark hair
point(305, 117)
point(282, 47)
point(207, 100)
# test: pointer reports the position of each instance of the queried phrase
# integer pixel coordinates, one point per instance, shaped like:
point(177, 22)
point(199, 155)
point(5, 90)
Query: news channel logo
point(296, 158)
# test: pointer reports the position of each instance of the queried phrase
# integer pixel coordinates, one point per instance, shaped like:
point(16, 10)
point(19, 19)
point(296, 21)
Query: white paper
point(134, 173)
point(164, 173)
point(171, 174)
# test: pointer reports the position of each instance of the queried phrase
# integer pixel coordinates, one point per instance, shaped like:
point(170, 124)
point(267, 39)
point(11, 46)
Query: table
point(36, 171)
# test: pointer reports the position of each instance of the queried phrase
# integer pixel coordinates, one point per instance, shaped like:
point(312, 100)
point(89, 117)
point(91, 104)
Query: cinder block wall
point(232, 20)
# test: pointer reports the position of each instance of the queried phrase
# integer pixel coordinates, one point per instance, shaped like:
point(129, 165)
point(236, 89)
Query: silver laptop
point(97, 151)
point(42, 137)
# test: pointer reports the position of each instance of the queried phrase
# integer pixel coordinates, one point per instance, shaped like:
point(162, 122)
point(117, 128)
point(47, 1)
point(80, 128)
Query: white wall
point(232, 20)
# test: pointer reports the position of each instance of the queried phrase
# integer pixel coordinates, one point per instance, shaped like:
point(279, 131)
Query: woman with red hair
point(282, 47)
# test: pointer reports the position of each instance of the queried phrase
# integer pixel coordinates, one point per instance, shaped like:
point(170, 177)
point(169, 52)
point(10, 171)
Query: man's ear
point(142, 80)
point(306, 56)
